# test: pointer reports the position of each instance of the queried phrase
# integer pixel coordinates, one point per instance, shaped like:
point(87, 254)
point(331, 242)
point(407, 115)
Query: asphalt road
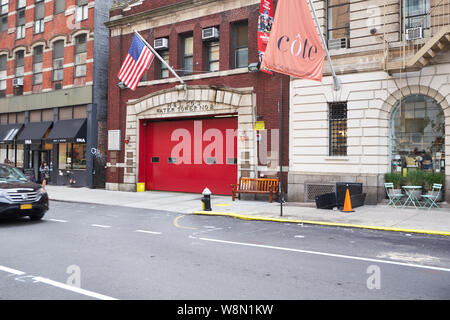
point(84, 251)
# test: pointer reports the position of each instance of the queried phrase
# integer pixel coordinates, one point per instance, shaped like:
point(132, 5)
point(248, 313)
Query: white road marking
point(57, 220)
point(100, 226)
point(299, 236)
point(146, 231)
point(327, 254)
point(55, 284)
point(13, 271)
point(73, 289)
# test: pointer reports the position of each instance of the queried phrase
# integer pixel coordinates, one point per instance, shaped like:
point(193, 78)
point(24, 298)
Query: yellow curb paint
point(222, 205)
point(333, 224)
point(176, 224)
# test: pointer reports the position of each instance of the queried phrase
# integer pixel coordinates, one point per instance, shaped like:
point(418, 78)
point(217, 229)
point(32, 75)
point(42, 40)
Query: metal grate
point(338, 129)
point(312, 190)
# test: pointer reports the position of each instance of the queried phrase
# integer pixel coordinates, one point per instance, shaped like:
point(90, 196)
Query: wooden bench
point(255, 186)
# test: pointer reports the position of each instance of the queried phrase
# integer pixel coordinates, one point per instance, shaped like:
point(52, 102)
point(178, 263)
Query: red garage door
point(189, 155)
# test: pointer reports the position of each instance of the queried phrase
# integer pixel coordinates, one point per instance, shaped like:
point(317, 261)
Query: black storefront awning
point(66, 131)
point(8, 132)
point(33, 132)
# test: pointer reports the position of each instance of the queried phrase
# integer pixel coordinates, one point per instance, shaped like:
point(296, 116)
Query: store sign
point(81, 140)
point(28, 142)
point(114, 140)
point(190, 106)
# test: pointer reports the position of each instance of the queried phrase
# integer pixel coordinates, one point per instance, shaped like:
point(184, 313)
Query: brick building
point(53, 62)
point(210, 44)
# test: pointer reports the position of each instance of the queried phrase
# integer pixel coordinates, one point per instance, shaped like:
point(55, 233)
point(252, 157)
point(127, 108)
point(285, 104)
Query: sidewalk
point(380, 217)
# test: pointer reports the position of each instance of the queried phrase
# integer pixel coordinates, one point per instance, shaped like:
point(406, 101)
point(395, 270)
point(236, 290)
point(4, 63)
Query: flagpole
point(161, 59)
point(337, 81)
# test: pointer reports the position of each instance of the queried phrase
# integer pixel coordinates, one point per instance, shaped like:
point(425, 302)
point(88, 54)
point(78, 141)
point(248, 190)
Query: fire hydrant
point(206, 200)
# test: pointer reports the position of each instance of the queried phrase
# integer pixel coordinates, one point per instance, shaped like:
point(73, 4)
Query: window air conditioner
point(340, 43)
point(210, 34)
point(161, 44)
point(414, 33)
point(18, 82)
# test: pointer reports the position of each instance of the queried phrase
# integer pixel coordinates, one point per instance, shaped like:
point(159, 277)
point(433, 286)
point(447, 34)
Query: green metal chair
point(430, 199)
point(394, 197)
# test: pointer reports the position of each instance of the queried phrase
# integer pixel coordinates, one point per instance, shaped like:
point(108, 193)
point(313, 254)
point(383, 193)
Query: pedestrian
point(45, 173)
point(6, 161)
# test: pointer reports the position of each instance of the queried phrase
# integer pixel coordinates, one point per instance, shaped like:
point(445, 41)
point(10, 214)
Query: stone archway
point(194, 101)
point(391, 102)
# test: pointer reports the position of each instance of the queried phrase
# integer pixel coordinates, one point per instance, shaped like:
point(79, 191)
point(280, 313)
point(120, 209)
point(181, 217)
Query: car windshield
point(8, 174)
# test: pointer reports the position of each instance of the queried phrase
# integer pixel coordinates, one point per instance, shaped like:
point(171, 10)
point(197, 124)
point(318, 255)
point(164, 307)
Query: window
point(72, 156)
point(418, 135)
point(338, 19)
point(212, 56)
point(80, 55)
point(38, 58)
point(39, 16)
point(20, 28)
point(416, 13)
point(187, 49)
point(3, 75)
point(60, 6)
point(4, 6)
point(82, 10)
point(21, 3)
point(338, 129)
point(20, 59)
point(3, 15)
point(58, 60)
point(163, 70)
point(240, 44)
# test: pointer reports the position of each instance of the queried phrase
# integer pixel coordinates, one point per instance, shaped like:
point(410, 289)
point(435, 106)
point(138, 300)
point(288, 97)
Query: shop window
point(338, 129)
point(38, 58)
point(418, 135)
point(187, 59)
point(240, 44)
point(60, 6)
point(212, 55)
point(338, 19)
point(72, 156)
point(80, 55)
point(58, 60)
point(3, 75)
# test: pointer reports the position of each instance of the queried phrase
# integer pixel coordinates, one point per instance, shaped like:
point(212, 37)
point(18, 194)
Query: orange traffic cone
point(347, 203)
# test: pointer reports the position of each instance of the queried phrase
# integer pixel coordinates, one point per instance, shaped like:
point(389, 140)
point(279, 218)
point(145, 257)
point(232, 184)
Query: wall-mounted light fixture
point(253, 67)
point(121, 85)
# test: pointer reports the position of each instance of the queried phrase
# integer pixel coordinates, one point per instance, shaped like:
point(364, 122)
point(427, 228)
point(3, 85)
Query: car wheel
point(37, 216)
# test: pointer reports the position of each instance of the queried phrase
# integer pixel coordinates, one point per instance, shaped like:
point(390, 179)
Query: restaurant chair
point(393, 195)
point(430, 199)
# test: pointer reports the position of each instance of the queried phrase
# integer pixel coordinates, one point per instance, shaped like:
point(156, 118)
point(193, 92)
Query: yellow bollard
point(140, 187)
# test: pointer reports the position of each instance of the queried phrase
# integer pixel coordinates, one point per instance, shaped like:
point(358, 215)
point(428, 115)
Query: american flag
point(137, 61)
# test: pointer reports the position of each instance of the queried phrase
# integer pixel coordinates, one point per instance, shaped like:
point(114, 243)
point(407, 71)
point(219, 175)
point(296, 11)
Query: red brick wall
point(269, 89)
point(60, 25)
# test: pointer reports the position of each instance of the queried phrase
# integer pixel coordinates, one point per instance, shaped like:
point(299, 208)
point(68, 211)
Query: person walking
point(45, 173)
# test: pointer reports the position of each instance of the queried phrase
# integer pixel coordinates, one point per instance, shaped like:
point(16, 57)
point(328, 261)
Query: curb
point(331, 224)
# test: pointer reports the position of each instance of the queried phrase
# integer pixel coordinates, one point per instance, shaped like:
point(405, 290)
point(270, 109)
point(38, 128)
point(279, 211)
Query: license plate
point(26, 206)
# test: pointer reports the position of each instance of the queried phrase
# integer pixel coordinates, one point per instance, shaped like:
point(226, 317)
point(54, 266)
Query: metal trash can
point(140, 187)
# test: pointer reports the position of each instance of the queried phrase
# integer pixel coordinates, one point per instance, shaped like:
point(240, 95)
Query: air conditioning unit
point(18, 82)
point(414, 33)
point(210, 34)
point(161, 44)
point(340, 43)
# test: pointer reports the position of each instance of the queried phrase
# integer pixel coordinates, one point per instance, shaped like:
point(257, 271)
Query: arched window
point(418, 134)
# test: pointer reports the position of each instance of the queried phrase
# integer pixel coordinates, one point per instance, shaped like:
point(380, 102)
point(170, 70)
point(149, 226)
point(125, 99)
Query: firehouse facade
point(211, 131)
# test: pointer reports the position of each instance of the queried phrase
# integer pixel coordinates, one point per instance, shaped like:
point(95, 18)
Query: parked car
point(19, 196)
